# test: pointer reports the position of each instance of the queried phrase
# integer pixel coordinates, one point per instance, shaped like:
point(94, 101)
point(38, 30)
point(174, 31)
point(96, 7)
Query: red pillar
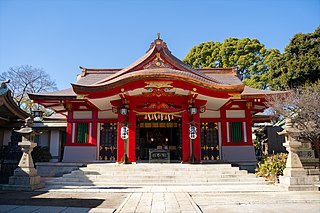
point(69, 129)
point(94, 127)
point(132, 137)
point(196, 141)
point(249, 127)
point(223, 126)
point(120, 142)
point(185, 155)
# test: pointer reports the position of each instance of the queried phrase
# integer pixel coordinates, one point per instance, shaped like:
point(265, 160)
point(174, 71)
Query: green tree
point(299, 64)
point(246, 54)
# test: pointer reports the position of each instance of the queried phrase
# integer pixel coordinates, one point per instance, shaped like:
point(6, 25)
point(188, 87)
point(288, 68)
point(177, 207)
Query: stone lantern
point(294, 176)
point(25, 177)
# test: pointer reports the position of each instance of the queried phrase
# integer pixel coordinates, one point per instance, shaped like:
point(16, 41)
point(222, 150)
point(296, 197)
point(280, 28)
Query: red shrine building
point(158, 98)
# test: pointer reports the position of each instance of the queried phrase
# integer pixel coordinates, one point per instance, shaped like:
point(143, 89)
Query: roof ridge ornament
point(84, 71)
point(159, 44)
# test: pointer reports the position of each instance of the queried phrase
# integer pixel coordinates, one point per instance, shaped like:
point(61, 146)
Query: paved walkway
point(251, 198)
point(159, 202)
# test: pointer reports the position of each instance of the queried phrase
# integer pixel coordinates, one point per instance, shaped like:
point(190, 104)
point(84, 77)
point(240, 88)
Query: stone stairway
point(157, 174)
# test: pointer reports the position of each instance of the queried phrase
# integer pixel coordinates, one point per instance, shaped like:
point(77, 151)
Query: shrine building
point(157, 99)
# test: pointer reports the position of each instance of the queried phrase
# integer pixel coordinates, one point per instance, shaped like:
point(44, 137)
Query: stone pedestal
point(294, 175)
point(25, 177)
point(305, 151)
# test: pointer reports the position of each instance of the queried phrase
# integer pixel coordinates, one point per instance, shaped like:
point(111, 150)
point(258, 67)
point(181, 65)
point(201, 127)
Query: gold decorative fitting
point(234, 96)
point(158, 84)
point(80, 96)
point(122, 89)
point(68, 106)
point(158, 34)
point(194, 89)
point(249, 105)
point(158, 55)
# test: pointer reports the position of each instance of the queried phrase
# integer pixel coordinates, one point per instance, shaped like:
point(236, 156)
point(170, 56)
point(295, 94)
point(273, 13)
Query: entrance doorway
point(159, 135)
point(209, 141)
point(108, 141)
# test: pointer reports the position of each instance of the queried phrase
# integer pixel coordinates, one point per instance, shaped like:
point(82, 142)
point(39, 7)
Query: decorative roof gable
point(158, 63)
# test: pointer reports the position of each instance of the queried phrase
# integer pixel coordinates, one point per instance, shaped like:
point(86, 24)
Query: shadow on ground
point(61, 199)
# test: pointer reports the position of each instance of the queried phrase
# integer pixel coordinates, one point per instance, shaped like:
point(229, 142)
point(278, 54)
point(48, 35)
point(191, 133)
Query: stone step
point(106, 169)
point(155, 179)
point(157, 176)
point(157, 167)
point(156, 170)
point(167, 165)
point(109, 184)
point(204, 180)
point(177, 173)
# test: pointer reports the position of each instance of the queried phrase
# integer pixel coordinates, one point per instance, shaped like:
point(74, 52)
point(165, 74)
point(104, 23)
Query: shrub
point(272, 167)
point(41, 154)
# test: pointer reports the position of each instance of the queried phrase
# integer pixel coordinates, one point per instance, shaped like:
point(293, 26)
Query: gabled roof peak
point(159, 44)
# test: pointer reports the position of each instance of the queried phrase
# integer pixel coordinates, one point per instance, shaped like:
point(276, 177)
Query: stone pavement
point(197, 198)
point(159, 202)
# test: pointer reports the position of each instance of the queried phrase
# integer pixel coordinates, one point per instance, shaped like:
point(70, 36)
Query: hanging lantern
point(124, 133)
point(145, 117)
point(37, 113)
point(149, 117)
point(155, 117)
point(169, 119)
point(123, 111)
point(193, 132)
point(193, 110)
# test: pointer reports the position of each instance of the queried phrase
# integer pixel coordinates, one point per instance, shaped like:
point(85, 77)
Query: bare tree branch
point(303, 107)
point(27, 79)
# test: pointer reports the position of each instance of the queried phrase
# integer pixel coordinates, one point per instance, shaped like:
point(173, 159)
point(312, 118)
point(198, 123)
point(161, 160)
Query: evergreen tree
point(248, 55)
point(299, 64)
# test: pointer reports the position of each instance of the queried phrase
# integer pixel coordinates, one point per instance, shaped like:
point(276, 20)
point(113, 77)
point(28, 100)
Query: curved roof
point(9, 110)
point(159, 63)
point(156, 64)
point(160, 74)
point(60, 94)
point(249, 92)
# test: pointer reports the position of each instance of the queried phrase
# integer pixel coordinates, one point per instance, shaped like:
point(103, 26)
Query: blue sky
point(61, 35)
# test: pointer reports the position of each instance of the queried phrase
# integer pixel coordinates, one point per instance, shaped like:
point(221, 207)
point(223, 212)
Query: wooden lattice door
point(209, 141)
point(108, 141)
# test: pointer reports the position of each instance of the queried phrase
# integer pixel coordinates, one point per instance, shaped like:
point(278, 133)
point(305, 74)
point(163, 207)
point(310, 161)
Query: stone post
point(294, 176)
point(25, 177)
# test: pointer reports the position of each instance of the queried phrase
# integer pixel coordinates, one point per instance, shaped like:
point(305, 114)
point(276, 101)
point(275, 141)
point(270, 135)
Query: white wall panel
point(235, 114)
point(82, 115)
point(54, 144)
